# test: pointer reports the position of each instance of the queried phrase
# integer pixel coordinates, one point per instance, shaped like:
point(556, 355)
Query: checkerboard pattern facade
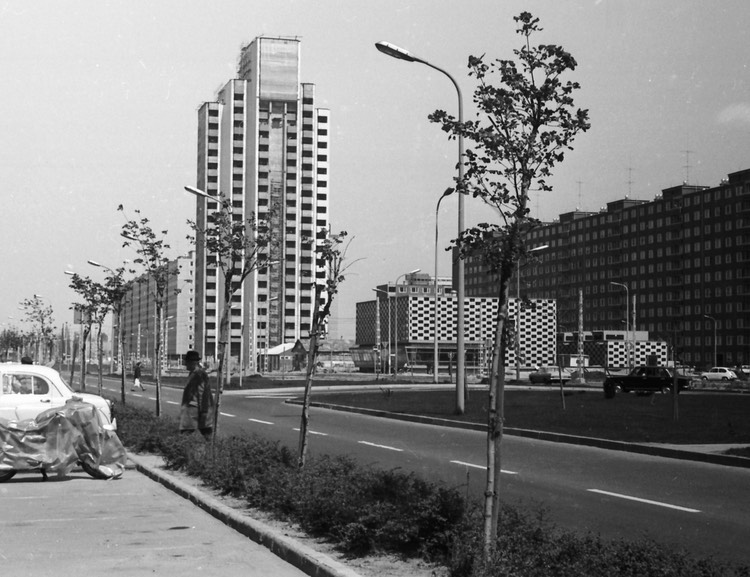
point(538, 320)
point(617, 353)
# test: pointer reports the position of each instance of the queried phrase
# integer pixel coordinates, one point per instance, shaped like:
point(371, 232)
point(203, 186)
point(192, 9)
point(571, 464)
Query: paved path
point(76, 525)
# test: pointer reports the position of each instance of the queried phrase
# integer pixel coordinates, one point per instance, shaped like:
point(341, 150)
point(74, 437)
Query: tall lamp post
point(401, 54)
point(716, 360)
point(377, 306)
point(627, 318)
point(395, 322)
point(436, 354)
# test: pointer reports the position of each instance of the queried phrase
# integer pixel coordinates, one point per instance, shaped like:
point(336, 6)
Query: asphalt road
point(702, 508)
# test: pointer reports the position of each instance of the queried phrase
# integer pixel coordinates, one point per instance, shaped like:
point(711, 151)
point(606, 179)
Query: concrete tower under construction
point(264, 144)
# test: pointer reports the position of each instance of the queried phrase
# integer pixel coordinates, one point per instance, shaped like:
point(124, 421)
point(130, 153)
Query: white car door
point(25, 396)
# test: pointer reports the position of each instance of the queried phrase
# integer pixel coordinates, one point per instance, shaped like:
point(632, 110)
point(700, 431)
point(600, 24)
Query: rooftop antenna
point(579, 193)
point(630, 181)
point(687, 161)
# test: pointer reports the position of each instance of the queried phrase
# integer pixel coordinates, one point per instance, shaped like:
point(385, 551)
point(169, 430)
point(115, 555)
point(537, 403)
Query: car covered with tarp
point(59, 439)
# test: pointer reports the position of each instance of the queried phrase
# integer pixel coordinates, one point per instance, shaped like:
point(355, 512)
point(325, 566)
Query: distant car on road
point(719, 374)
point(28, 390)
point(549, 374)
point(645, 379)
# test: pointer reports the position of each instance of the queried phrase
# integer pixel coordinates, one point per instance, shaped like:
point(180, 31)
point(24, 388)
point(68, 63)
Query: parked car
point(719, 374)
point(550, 374)
point(28, 390)
point(645, 379)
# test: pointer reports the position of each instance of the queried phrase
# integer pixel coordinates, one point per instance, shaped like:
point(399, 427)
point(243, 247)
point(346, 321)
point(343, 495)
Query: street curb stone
point(304, 558)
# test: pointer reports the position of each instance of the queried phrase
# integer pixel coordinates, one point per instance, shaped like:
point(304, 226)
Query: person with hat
point(197, 406)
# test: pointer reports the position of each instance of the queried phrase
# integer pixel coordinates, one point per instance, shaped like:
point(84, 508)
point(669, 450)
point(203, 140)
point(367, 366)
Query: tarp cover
point(59, 438)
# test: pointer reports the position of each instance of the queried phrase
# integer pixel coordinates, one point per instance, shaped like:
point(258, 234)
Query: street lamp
point(401, 54)
point(627, 320)
point(716, 359)
point(377, 318)
point(436, 355)
point(518, 310)
point(395, 322)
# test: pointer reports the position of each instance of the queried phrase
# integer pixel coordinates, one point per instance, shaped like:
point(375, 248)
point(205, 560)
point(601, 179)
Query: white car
point(719, 374)
point(27, 390)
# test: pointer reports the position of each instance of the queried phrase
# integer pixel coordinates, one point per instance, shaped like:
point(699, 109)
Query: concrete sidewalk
point(76, 525)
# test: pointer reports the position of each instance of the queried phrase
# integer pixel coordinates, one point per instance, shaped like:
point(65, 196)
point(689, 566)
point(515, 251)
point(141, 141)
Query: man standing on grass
point(197, 407)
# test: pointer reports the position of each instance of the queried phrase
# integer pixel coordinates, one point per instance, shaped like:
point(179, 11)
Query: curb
point(304, 558)
point(653, 450)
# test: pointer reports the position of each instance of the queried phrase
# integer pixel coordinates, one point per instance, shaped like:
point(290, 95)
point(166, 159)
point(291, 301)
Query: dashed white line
point(172, 403)
point(380, 446)
point(261, 422)
point(311, 432)
point(647, 501)
point(227, 414)
point(482, 467)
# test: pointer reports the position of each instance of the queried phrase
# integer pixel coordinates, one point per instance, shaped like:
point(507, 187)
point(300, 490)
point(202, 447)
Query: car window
point(24, 384)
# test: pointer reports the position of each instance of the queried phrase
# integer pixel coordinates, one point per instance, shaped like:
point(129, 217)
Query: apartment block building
point(399, 328)
point(677, 266)
point(264, 144)
point(178, 318)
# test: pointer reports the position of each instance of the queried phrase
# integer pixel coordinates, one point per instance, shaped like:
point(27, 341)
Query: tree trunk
point(312, 355)
point(121, 353)
point(99, 356)
point(221, 353)
point(494, 431)
point(157, 355)
point(83, 358)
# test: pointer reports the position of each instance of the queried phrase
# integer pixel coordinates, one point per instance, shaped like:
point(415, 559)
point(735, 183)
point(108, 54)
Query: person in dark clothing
point(137, 378)
point(197, 406)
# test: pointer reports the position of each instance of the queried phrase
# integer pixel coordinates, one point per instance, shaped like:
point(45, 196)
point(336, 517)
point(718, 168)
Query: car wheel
point(7, 475)
point(723, 378)
point(666, 390)
point(704, 378)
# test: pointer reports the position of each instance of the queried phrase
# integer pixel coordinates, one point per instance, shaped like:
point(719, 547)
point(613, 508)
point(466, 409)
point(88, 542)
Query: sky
point(100, 104)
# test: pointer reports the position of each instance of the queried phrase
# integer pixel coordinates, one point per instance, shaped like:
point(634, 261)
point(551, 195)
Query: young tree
point(239, 248)
point(330, 254)
point(526, 122)
point(39, 317)
point(93, 310)
point(150, 247)
point(115, 291)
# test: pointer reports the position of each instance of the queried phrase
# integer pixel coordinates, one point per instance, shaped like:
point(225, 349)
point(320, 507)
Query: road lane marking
point(311, 432)
point(647, 501)
point(465, 464)
point(380, 446)
point(227, 414)
point(261, 422)
point(172, 403)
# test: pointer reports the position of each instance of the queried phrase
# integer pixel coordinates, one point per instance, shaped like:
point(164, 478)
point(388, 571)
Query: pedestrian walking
point(137, 378)
point(197, 406)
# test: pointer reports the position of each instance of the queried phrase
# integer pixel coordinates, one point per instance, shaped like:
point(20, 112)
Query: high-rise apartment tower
point(264, 144)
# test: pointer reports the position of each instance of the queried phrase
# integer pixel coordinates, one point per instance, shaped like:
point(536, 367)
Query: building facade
point(399, 326)
point(677, 267)
point(264, 144)
point(139, 315)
